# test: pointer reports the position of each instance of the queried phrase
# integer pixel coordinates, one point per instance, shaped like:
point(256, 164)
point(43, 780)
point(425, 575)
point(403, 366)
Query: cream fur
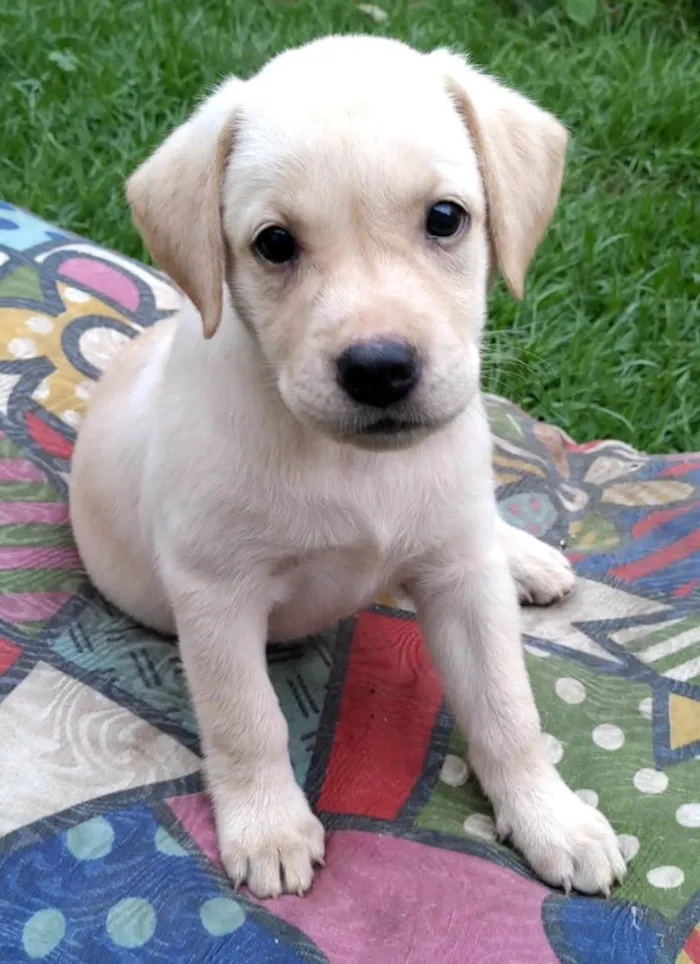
point(222, 488)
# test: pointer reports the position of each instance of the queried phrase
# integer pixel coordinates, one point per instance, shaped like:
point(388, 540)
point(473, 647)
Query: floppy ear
point(521, 151)
point(175, 200)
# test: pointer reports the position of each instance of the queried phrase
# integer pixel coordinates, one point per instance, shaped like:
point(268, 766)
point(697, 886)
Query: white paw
point(542, 574)
point(269, 840)
point(566, 841)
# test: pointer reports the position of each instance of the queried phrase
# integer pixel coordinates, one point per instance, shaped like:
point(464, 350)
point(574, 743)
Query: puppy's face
point(353, 226)
point(359, 253)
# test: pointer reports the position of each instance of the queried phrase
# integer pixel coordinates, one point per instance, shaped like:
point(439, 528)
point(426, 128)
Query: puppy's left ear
point(521, 150)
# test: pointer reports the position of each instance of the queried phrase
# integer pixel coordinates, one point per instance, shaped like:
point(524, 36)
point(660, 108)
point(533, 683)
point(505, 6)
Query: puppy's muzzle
point(378, 373)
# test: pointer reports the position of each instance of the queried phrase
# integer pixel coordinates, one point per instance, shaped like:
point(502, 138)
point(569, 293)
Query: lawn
point(607, 341)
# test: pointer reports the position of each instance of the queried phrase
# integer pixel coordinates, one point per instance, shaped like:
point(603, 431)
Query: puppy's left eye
point(445, 219)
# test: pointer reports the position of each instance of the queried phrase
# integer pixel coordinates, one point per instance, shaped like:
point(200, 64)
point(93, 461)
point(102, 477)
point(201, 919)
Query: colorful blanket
point(107, 848)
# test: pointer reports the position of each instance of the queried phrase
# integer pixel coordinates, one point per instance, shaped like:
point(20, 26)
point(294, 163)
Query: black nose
point(378, 373)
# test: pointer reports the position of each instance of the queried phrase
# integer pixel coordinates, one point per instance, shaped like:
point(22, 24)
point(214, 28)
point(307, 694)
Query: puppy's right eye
point(276, 245)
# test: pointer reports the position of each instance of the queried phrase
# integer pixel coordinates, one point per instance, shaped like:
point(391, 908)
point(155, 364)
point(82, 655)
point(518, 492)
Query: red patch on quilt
point(388, 709)
point(9, 654)
point(48, 438)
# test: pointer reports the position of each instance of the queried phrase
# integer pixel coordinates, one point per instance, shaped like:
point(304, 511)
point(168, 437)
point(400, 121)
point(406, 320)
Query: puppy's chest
point(353, 571)
point(355, 545)
point(317, 589)
point(376, 524)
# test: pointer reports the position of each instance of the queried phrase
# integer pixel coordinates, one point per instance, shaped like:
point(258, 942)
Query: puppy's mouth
point(390, 426)
point(389, 432)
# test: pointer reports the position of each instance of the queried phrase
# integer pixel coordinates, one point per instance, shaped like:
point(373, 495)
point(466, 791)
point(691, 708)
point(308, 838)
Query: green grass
point(607, 341)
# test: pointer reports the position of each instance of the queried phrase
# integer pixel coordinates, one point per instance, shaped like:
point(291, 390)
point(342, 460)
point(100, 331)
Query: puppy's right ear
point(175, 199)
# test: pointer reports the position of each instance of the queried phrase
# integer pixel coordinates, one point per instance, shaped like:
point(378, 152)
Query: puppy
point(309, 429)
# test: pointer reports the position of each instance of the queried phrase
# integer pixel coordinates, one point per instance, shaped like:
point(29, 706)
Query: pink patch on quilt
point(20, 470)
point(28, 513)
point(27, 607)
point(102, 278)
point(403, 901)
point(39, 557)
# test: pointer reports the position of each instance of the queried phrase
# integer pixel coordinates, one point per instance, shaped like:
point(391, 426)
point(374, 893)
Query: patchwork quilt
point(107, 847)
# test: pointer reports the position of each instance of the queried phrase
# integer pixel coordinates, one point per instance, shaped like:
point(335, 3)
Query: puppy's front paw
point(542, 574)
point(269, 840)
point(566, 841)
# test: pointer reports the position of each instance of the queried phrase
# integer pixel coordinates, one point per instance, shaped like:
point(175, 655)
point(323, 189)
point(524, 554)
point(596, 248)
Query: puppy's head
point(355, 197)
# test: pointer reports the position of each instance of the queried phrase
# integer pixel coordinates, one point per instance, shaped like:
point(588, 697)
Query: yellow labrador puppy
point(309, 429)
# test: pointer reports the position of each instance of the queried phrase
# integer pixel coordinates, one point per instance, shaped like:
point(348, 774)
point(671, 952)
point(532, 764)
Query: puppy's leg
point(543, 575)
point(267, 834)
point(468, 609)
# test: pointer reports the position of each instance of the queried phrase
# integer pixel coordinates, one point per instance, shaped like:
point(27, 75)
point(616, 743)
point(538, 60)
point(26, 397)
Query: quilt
point(107, 846)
